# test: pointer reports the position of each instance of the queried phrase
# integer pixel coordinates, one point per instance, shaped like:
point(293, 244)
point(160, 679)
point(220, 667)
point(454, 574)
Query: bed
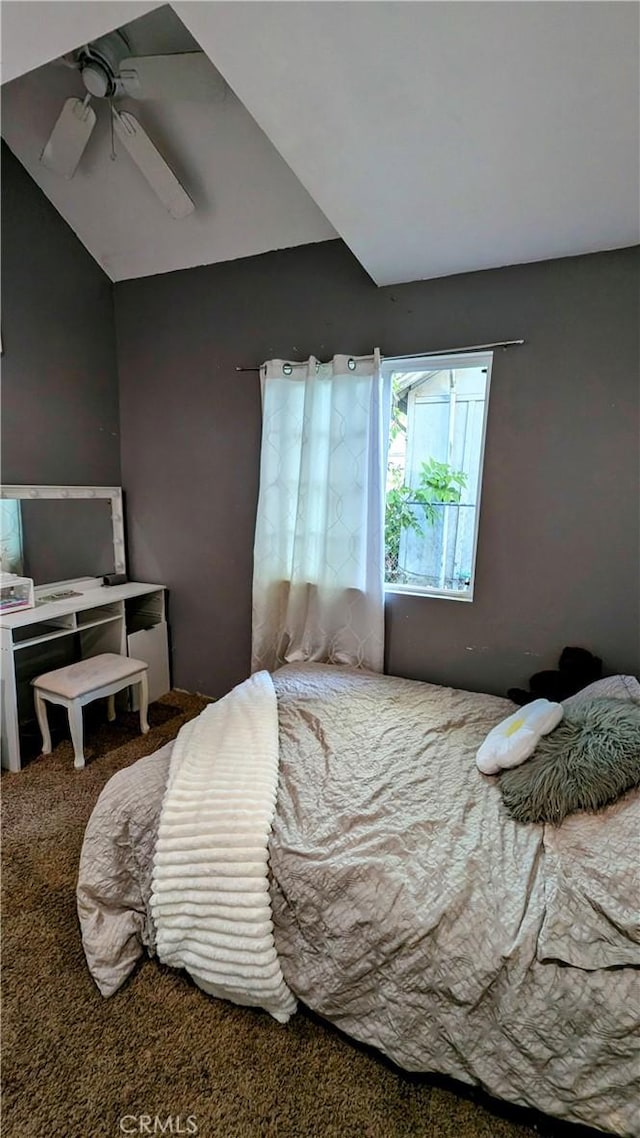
point(407, 908)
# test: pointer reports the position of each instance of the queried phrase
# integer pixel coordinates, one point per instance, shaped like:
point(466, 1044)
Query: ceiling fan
point(108, 72)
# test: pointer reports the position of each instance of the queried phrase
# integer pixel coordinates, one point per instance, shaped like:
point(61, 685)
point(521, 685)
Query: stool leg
point(144, 703)
point(111, 708)
point(75, 726)
point(43, 723)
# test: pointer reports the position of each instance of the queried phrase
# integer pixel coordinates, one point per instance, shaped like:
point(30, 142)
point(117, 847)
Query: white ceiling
point(435, 138)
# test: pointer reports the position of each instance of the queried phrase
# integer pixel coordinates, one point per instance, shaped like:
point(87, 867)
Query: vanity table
point(66, 535)
point(128, 619)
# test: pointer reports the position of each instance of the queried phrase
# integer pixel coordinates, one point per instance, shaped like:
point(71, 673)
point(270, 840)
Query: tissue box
point(15, 593)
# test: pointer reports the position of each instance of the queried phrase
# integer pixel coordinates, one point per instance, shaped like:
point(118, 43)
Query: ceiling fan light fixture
point(97, 79)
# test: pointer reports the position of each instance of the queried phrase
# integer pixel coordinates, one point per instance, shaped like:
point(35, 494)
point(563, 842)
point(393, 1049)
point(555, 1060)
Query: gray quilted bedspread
point(408, 909)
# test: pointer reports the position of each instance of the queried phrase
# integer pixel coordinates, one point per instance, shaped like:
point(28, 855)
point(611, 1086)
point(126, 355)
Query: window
point(434, 473)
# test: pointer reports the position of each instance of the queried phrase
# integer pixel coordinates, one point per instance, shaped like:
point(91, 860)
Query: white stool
point(81, 683)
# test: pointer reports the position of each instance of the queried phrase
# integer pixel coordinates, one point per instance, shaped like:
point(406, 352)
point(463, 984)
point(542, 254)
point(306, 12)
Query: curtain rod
point(440, 352)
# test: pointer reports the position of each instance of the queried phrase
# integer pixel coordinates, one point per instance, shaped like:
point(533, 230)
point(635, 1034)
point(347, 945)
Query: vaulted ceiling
point(434, 138)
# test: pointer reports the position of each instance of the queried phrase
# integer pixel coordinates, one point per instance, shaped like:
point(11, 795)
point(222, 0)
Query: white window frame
point(430, 363)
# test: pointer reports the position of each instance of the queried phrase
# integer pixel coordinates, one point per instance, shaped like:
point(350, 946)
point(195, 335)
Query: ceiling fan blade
point(187, 76)
point(69, 138)
point(152, 165)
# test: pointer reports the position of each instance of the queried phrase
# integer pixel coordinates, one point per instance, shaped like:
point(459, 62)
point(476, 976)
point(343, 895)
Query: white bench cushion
point(89, 675)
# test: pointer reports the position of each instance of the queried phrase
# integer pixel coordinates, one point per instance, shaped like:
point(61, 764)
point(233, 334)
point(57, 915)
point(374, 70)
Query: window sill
point(416, 591)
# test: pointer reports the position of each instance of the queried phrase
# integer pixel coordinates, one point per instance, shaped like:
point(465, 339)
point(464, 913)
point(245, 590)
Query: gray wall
point(59, 378)
point(558, 547)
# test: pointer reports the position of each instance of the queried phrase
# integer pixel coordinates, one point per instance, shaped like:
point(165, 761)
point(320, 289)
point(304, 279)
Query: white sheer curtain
point(318, 573)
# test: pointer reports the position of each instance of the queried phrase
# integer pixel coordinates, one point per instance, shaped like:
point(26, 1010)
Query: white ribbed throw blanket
point(210, 892)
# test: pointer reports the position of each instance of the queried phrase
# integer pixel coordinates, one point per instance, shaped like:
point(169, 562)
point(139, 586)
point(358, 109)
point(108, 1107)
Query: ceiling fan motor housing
point(99, 63)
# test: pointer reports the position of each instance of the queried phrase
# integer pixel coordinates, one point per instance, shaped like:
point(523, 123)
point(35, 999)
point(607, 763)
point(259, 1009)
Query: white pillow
point(515, 738)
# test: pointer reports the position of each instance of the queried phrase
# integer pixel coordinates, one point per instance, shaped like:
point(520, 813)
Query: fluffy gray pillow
point(589, 760)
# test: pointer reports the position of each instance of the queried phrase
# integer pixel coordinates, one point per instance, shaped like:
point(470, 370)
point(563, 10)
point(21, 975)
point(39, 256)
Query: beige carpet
point(76, 1065)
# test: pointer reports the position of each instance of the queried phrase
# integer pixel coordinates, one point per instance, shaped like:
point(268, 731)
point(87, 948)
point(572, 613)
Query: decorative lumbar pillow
point(588, 762)
point(514, 739)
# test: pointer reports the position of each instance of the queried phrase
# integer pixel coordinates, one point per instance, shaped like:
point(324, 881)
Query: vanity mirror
point(60, 534)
